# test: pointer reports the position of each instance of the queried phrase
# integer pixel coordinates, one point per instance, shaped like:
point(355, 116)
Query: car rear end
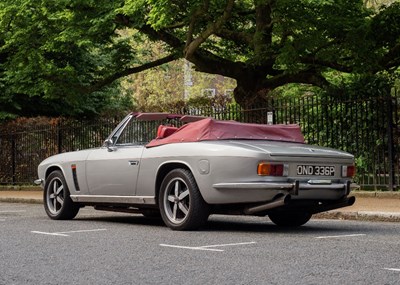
point(289, 182)
point(317, 173)
point(277, 169)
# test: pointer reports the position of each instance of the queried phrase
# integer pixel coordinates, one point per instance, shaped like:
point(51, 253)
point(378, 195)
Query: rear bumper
point(38, 181)
point(297, 190)
point(284, 202)
point(291, 186)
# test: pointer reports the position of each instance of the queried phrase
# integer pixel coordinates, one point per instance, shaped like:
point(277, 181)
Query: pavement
point(369, 206)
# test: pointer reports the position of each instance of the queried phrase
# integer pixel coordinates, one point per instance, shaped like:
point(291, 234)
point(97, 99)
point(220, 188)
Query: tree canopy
point(71, 50)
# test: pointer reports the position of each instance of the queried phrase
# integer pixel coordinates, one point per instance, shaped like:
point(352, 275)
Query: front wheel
point(289, 219)
point(57, 200)
point(181, 205)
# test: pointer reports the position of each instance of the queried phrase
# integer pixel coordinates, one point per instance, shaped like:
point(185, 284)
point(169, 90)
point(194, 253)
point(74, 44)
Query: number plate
point(316, 170)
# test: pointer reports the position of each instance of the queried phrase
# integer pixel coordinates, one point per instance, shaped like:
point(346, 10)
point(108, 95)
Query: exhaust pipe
point(282, 201)
point(327, 207)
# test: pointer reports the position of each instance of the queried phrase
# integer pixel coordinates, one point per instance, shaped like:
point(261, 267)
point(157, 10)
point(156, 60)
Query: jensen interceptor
point(185, 168)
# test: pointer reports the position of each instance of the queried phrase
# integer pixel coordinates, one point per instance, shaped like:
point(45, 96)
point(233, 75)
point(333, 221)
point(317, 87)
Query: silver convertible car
point(184, 168)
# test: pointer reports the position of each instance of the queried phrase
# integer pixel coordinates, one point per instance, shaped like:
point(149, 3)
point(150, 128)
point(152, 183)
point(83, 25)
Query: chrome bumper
point(292, 187)
point(38, 181)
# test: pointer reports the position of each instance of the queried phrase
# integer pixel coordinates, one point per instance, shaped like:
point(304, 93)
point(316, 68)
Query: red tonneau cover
point(209, 129)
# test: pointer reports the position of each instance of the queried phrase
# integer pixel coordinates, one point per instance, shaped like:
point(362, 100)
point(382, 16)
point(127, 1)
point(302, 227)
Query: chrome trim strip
point(304, 186)
point(38, 181)
point(145, 200)
point(254, 185)
point(354, 186)
point(281, 186)
point(319, 181)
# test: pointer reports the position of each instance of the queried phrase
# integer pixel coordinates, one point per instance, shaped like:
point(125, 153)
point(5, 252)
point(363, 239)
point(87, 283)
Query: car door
point(113, 172)
point(113, 169)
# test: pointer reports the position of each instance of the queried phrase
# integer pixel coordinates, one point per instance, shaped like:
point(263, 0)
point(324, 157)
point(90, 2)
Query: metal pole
point(391, 155)
point(59, 139)
point(13, 159)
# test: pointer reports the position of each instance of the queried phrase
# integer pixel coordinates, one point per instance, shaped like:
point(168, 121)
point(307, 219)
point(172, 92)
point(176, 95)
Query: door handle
point(133, 162)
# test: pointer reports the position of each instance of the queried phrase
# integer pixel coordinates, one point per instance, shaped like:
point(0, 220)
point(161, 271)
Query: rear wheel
point(57, 200)
point(181, 205)
point(289, 219)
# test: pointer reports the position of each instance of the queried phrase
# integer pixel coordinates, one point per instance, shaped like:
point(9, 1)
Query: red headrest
point(165, 131)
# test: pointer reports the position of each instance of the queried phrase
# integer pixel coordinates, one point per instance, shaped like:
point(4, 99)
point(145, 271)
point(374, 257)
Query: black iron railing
point(365, 127)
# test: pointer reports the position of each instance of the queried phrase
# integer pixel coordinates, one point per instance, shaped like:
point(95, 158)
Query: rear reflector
point(348, 171)
point(268, 169)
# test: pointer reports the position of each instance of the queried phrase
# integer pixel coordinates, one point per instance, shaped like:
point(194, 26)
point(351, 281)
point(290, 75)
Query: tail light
point(348, 171)
point(270, 169)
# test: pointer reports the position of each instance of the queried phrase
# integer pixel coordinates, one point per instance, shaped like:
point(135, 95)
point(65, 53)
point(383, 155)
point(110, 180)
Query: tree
point(267, 44)
point(60, 57)
point(69, 48)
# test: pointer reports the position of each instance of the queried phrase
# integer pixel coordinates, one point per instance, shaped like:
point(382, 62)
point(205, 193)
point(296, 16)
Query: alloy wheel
point(55, 196)
point(177, 200)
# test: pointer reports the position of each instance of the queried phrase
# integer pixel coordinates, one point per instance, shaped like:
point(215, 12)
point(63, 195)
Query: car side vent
point(74, 176)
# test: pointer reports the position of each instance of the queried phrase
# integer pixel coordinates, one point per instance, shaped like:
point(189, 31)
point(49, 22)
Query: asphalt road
point(113, 248)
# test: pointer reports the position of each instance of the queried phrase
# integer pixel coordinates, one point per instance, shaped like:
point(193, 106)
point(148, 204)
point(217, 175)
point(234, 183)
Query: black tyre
point(289, 219)
point(56, 197)
point(181, 205)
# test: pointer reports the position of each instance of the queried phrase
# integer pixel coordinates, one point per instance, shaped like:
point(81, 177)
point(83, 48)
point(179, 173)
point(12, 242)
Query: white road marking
point(65, 234)
point(82, 231)
point(207, 247)
point(51, 234)
point(189, 247)
point(341, 236)
point(393, 269)
point(229, 244)
point(13, 211)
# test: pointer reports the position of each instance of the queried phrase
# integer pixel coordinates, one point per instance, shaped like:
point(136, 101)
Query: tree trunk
point(251, 95)
point(250, 92)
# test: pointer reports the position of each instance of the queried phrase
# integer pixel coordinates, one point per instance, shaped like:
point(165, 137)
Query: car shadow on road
point(233, 224)
point(264, 225)
point(124, 219)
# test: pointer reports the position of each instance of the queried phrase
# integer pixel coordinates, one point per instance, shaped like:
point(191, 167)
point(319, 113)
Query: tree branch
point(208, 62)
point(237, 37)
point(264, 24)
point(194, 19)
point(108, 80)
point(313, 61)
point(211, 29)
point(392, 58)
point(175, 26)
point(164, 36)
point(204, 61)
point(309, 76)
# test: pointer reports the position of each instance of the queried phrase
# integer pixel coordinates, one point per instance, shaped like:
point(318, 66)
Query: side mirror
point(109, 144)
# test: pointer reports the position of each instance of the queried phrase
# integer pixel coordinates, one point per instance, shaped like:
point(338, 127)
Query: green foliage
point(353, 116)
point(52, 51)
point(334, 31)
point(295, 91)
point(60, 54)
point(385, 25)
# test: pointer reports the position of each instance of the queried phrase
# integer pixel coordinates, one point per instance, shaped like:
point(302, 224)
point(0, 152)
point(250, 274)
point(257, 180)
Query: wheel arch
point(51, 169)
point(164, 169)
